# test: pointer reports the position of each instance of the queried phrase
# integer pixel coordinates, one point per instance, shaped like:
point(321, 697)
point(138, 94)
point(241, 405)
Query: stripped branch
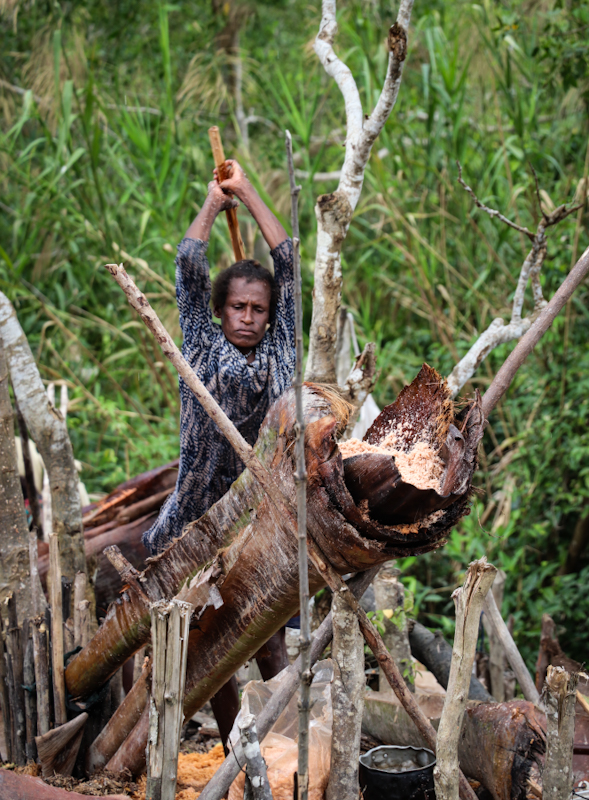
point(334, 211)
point(498, 331)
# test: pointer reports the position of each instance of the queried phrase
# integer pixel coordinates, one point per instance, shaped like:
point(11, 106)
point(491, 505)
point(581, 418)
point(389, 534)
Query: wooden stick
point(79, 597)
point(256, 772)
point(300, 478)
point(468, 600)
point(16, 655)
point(502, 380)
point(140, 303)
point(496, 652)
point(5, 698)
point(169, 626)
point(219, 158)
point(30, 697)
point(57, 631)
point(40, 652)
point(560, 693)
point(512, 653)
point(36, 587)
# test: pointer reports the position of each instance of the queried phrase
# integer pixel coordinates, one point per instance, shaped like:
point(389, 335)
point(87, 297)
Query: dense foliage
point(104, 156)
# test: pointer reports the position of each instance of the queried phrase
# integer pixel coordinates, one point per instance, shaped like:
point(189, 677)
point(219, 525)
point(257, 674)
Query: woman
point(246, 363)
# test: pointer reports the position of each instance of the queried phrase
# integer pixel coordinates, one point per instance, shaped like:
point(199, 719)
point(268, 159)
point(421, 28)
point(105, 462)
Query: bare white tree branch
point(500, 332)
point(334, 211)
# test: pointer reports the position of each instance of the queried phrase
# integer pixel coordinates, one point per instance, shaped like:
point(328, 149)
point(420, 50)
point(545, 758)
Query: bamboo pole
point(57, 630)
point(300, 478)
point(374, 640)
point(219, 158)
point(468, 600)
point(169, 624)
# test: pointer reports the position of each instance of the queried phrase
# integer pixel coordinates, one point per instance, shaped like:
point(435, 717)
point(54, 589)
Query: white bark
point(334, 211)
point(498, 331)
point(47, 429)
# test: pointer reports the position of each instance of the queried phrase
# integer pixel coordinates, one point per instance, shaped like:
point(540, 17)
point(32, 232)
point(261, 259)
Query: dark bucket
point(379, 783)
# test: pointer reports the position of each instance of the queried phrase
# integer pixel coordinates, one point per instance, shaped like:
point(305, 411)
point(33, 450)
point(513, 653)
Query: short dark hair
point(250, 270)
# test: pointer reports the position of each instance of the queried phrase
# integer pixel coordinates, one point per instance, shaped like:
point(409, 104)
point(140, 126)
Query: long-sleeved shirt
point(208, 463)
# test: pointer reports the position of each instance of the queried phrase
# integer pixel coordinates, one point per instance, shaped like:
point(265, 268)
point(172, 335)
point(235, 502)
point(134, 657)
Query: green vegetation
point(105, 157)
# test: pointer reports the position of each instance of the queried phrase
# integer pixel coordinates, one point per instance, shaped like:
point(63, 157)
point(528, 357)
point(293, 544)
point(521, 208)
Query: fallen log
point(26, 787)
point(255, 577)
point(501, 745)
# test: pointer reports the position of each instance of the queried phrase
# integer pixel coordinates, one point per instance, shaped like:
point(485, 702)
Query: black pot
point(411, 784)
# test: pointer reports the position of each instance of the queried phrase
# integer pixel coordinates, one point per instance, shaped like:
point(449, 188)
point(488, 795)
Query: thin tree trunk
point(347, 699)
point(561, 690)
point(47, 428)
point(14, 531)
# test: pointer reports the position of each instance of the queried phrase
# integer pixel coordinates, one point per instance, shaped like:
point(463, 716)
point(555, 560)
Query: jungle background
point(104, 156)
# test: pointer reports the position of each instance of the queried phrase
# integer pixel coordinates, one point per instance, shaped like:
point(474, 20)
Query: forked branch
point(498, 331)
point(334, 211)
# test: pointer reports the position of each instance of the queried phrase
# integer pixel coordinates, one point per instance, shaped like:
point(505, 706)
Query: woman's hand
point(218, 199)
point(236, 182)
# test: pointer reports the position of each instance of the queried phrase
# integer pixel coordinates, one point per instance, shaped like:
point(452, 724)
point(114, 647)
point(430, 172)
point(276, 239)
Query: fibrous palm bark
point(241, 559)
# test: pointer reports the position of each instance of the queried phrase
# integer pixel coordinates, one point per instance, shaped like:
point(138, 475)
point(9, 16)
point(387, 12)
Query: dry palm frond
point(208, 82)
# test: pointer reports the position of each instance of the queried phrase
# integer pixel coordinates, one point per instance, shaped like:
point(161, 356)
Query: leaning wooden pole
point(219, 157)
point(300, 477)
point(57, 630)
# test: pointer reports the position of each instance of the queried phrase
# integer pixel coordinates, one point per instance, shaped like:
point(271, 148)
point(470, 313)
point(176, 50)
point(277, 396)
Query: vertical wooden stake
point(30, 695)
point(40, 651)
point(560, 693)
point(300, 477)
point(57, 631)
point(5, 698)
point(16, 653)
point(169, 635)
point(469, 603)
point(79, 597)
point(219, 158)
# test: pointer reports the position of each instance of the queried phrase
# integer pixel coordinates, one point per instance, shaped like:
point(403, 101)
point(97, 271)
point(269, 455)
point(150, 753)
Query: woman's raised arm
point(216, 201)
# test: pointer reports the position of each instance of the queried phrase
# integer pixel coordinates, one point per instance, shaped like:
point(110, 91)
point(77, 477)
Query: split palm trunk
point(238, 564)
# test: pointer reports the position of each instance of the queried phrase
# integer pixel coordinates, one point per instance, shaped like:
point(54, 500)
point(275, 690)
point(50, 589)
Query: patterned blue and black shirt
point(208, 463)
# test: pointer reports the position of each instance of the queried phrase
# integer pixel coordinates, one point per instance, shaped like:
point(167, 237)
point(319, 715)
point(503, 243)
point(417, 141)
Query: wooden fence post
point(560, 694)
point(169, 635)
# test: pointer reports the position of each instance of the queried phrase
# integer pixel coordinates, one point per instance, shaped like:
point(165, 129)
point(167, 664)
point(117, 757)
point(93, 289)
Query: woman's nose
point(248, 314)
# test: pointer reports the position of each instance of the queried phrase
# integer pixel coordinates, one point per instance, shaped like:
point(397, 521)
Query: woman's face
point(246, 313)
